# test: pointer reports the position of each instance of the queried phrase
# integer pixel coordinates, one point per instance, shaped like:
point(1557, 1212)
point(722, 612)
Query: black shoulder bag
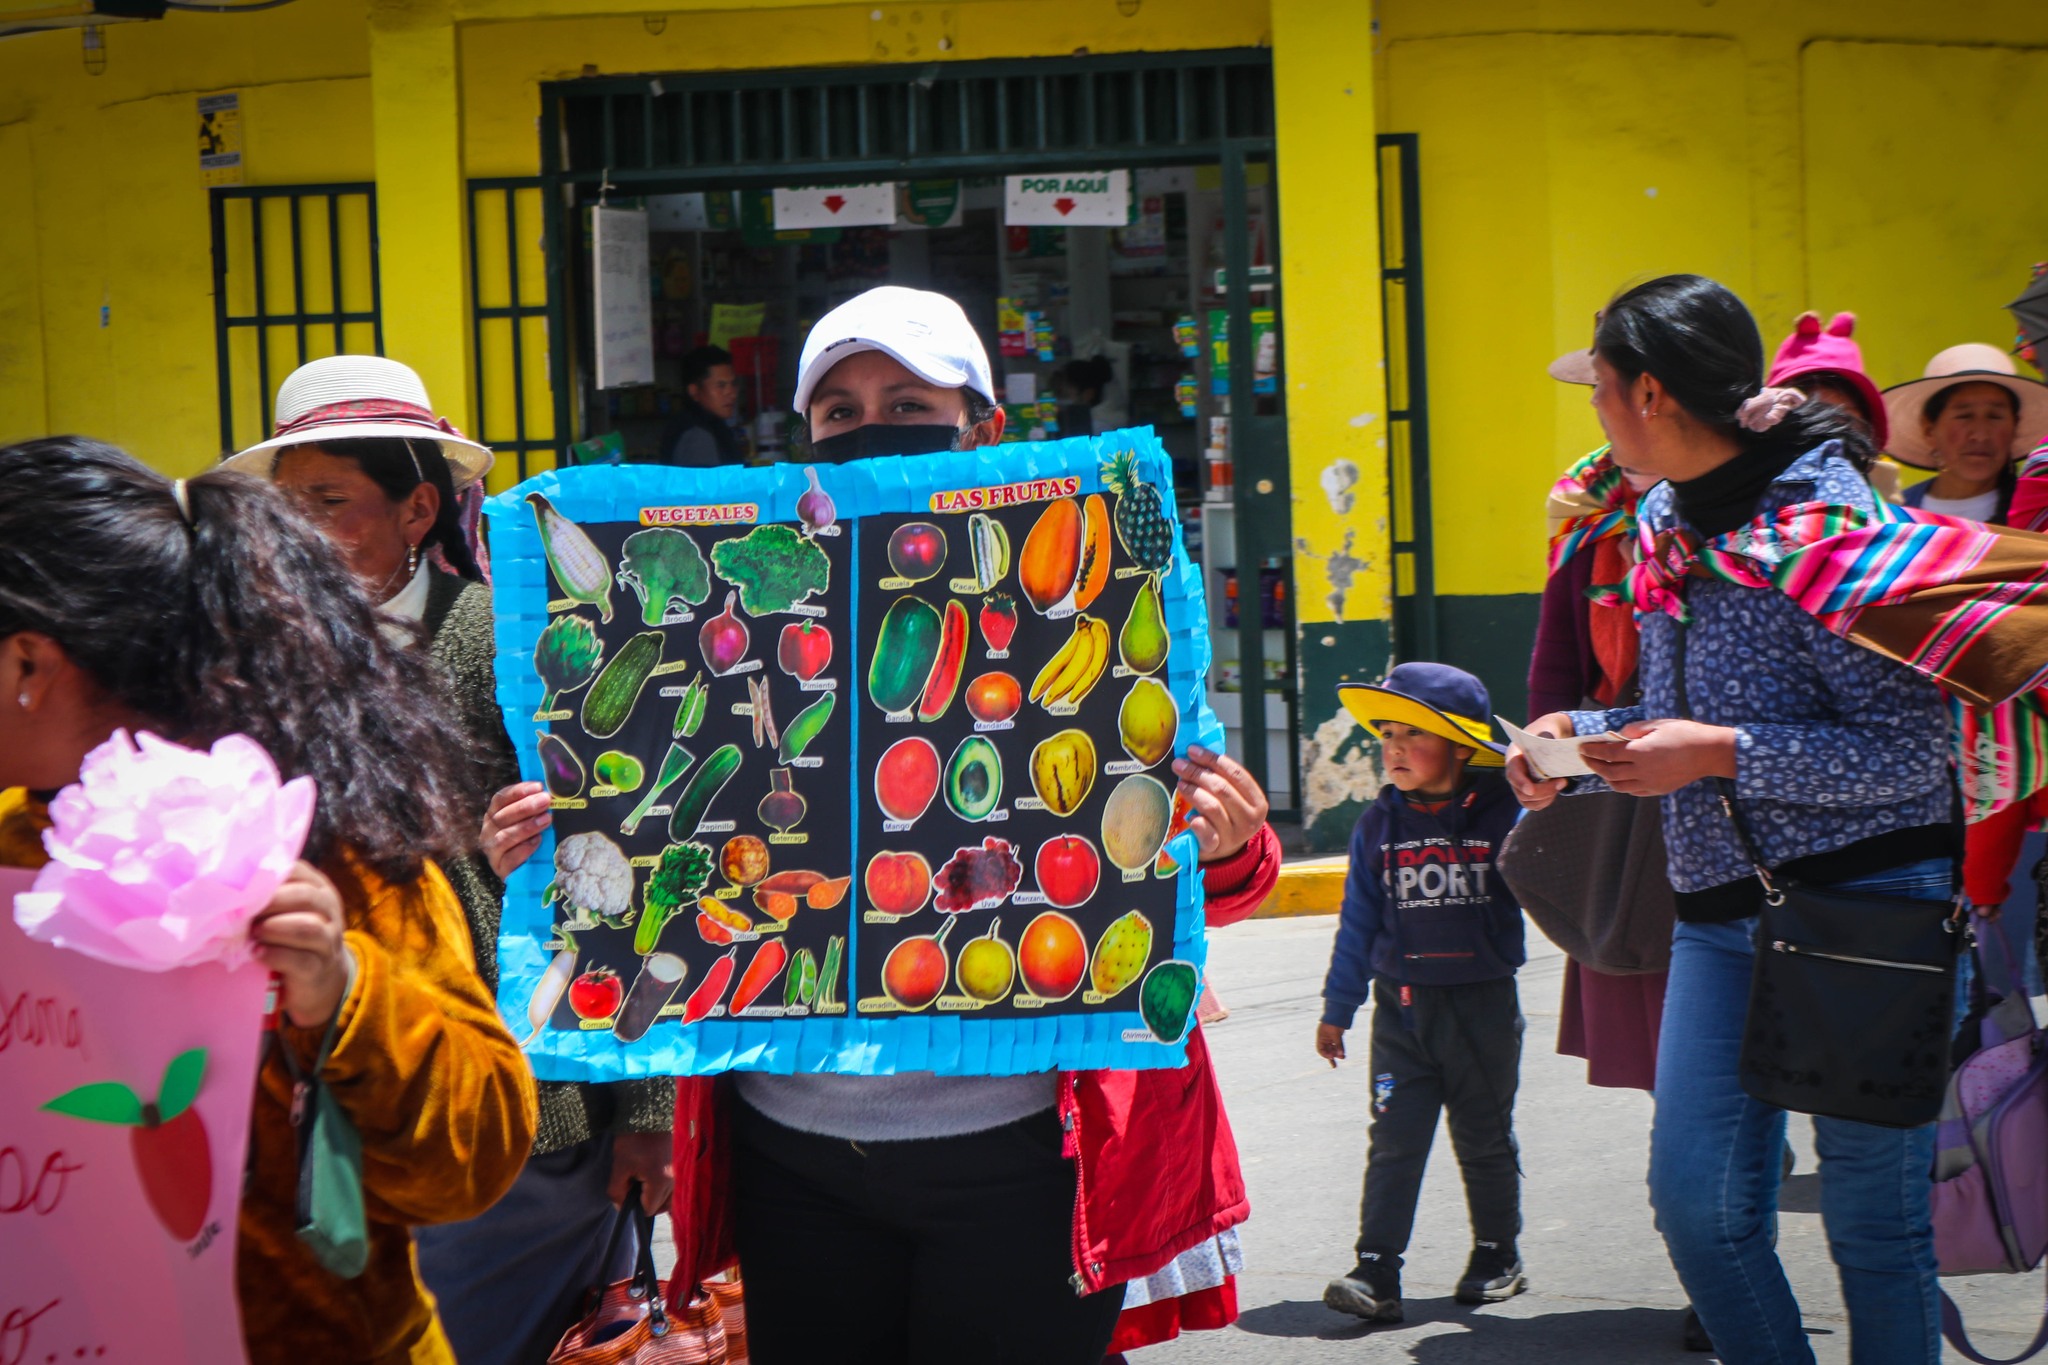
point(1852, 997)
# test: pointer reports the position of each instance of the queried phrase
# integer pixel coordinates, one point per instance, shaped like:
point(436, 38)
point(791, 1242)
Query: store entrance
point(1168, 316)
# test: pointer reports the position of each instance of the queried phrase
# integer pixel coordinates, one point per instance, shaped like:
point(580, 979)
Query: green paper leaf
point(181, 1084)
point(100, 1102)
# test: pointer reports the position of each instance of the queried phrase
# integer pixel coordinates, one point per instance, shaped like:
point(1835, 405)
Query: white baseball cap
point(925, 332)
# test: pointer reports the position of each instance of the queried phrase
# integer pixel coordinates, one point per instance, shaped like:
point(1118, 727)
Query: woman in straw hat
point(359, 449)
point(1968, 417)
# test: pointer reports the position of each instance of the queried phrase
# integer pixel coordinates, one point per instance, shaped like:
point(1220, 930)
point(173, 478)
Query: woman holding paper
point(1836, 763)
point(195, 608)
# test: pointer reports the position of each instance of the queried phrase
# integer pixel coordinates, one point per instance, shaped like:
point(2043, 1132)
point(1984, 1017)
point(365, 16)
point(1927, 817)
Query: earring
point(412, 560)
point(22, 701)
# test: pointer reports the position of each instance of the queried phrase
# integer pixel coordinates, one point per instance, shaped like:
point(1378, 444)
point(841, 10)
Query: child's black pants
point(1458, 1049)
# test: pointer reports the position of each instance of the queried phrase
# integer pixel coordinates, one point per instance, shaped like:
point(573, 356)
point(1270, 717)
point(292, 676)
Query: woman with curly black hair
point(203, 607)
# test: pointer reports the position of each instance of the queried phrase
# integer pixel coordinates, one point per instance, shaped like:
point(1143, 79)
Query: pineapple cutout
point(1141, 520)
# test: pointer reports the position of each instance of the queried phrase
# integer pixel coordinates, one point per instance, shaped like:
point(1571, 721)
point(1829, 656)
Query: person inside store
point(1969, 418)
point(196, 608)
point(360, 452)
point(923, 1218)
point(1758, 728)
point(700, 435)
point(1091, 399)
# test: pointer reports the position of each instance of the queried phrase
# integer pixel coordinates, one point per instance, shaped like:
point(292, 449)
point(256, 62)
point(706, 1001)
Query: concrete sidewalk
point(1602, 1288)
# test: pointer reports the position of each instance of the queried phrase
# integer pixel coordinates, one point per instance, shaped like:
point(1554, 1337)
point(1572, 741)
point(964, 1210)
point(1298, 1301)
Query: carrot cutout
point(767, 963)
point(711, 990)
point(172, 1156)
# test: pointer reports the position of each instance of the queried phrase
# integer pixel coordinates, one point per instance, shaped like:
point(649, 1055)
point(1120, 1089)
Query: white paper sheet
point(1552, 758)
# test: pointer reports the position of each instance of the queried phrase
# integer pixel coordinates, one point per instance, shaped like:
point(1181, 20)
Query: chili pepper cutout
point(711, 990)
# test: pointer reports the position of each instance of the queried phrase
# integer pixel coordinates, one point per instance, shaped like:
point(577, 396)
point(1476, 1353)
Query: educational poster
point(860, 768)
point(124, 1122)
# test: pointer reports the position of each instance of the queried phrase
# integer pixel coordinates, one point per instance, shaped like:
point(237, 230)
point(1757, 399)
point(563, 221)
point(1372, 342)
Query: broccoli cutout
point(663, 567)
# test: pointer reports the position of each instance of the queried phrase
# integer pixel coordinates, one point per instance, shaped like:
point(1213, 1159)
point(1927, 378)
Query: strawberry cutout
point(172, 1157)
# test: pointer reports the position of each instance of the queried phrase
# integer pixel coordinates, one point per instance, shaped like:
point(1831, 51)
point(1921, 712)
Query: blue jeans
point(1714, 1169)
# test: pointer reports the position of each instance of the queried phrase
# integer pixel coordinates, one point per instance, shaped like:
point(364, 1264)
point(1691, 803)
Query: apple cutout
point(1067, 869)
point(804, 649)
point(168, 1140)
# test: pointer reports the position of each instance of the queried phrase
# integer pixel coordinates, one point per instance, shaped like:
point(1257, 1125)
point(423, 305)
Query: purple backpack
point(1990, 1197)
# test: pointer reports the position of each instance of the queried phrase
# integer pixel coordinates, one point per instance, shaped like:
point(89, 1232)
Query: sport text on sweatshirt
point(1422, 904)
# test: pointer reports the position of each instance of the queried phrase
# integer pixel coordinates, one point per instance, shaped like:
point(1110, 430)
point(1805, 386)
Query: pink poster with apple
point(124, 1122)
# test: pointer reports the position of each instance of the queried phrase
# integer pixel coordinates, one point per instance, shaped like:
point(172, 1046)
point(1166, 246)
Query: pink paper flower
point(161, 855)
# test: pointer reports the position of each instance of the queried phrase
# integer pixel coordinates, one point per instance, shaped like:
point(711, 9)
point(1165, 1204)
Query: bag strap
point(1952, 1328)
point(1723, 788)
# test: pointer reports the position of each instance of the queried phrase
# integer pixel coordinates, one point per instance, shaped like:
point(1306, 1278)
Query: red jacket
point(1157, 1165)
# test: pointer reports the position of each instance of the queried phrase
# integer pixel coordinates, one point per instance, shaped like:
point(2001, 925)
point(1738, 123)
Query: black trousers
point(940, 1250)
point(1452, 1048)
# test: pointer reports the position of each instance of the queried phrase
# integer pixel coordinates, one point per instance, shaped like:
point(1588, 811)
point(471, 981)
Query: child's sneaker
point(1494, 1274)
point(1371, 1291)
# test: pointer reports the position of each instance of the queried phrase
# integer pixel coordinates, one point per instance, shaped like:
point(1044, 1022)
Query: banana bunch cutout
point(1073, 672)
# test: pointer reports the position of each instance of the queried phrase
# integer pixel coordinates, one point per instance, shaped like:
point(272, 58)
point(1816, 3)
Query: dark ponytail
point(398, 466)
point(1703, 345)
point(237, 617)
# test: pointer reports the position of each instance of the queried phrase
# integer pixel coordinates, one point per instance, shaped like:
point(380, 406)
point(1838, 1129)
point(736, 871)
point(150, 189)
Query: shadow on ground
point(1587, 1334)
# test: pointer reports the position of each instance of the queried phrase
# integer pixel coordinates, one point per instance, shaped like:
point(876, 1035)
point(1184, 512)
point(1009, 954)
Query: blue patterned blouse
point(1834, 743)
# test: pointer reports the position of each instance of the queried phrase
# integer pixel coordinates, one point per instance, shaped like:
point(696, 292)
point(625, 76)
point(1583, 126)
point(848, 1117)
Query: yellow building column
point(416, 117)
point(1324, 122)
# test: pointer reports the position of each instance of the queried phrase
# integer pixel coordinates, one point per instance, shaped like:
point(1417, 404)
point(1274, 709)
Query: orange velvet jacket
point(437, 1088)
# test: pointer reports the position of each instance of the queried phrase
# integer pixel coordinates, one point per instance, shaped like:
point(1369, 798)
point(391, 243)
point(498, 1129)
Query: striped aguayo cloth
point(1963, 604)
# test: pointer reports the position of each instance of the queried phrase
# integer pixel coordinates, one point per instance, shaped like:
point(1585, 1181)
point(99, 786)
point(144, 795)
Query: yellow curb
point(1310, 890)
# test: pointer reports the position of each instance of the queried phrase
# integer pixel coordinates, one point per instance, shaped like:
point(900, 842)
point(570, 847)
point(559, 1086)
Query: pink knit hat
point(1812, 350)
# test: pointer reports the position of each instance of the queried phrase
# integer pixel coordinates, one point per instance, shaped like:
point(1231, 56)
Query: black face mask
point(881, 438)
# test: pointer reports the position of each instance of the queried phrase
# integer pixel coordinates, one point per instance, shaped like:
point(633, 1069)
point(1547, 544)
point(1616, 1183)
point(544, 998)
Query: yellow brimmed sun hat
point(1435, 698)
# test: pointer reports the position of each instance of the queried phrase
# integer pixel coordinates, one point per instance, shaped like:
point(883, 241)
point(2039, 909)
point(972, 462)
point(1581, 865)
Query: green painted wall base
point(1492, 637)
point(1340, 762)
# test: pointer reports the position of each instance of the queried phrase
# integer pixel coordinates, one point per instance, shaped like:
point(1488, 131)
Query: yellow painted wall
point(1925, 211)
point(101, 178)
point(1553, 168)
point(1784, 142)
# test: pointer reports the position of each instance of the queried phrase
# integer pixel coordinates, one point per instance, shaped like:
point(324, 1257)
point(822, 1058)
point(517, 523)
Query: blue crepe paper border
point(946, 1044)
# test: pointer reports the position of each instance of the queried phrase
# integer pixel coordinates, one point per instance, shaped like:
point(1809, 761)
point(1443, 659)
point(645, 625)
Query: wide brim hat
point(349, 397)
point(1576, 367)
point(1371, 704)
point(1970, 363)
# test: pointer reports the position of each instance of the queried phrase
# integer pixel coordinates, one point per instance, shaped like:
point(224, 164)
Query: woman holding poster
point(991, 1218)
point(195, 608)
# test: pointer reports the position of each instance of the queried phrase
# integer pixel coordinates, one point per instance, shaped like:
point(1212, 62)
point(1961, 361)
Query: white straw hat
point(924, 331)
point(347, 397)
point(1973, 362)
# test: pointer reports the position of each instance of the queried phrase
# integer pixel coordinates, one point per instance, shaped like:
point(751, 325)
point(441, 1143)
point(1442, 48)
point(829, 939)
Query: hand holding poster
point(856, 768)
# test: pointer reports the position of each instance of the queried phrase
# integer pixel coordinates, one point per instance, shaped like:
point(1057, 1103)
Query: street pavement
point(1602, 1290)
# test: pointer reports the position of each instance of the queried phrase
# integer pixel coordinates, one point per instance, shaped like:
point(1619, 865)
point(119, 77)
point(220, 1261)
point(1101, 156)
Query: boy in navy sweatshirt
point(1434, 936)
